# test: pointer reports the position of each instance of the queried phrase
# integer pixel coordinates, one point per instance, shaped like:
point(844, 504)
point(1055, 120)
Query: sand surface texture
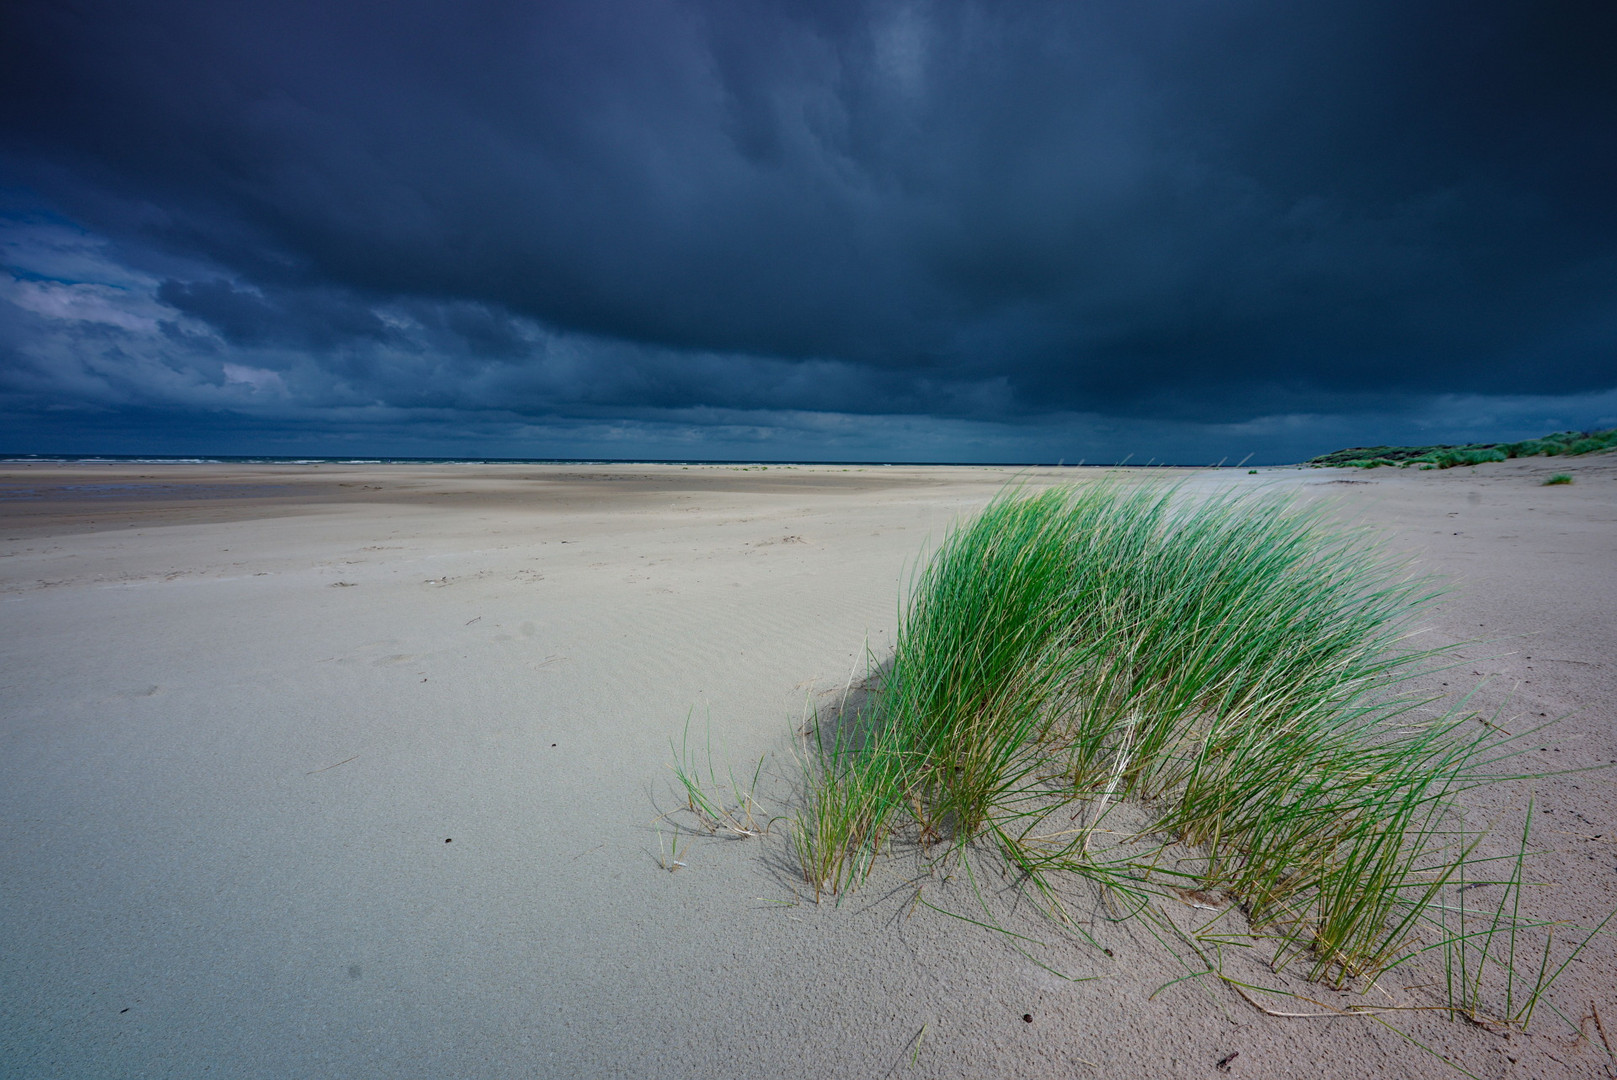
point(357, 771)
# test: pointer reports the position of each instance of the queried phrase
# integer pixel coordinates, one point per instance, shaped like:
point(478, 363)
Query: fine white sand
point(357, 771)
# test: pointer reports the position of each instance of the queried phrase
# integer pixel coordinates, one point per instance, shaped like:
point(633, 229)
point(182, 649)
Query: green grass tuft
point(738, 815)
point(1558, 478)
point(1233, 666)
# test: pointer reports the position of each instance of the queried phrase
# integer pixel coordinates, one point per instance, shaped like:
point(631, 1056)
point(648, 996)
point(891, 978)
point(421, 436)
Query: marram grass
point(1234, 666)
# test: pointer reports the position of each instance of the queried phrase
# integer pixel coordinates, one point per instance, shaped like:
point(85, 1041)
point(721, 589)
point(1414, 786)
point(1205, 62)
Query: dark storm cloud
point(1188, 210)
point(313, 319)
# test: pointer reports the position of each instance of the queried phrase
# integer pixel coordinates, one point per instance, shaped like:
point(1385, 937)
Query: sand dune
point(357, 771)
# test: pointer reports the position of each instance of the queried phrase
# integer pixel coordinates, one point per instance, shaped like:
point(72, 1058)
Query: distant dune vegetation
point(1560, 444)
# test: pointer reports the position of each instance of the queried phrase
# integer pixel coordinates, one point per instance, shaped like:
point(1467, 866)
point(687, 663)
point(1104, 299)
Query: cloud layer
point(1029, 216)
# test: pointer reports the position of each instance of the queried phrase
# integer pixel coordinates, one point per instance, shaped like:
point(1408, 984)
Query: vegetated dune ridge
point(358, 770)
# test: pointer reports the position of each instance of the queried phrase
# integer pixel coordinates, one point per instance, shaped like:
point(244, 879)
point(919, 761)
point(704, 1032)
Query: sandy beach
point(354, 771)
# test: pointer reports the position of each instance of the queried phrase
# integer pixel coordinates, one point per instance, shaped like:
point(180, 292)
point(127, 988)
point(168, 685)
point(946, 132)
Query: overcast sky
point(1182, 230)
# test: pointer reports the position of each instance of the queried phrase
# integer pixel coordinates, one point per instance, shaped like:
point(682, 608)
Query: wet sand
point(357, 770)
